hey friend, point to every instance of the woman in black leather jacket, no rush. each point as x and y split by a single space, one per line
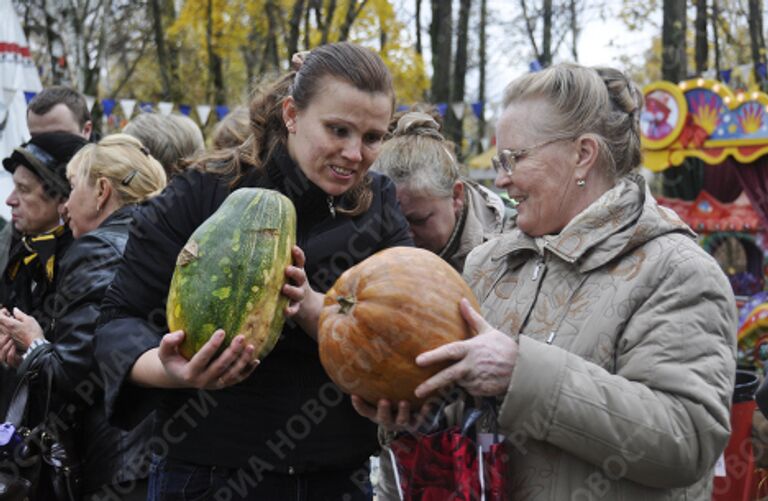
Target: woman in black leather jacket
108 180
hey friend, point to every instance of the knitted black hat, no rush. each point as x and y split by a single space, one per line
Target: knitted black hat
47 156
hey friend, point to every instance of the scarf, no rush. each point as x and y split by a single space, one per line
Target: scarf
37 253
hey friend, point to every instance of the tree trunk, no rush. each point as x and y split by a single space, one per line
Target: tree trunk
530 30
454 124
328 22
307 40
270 58
418 26
440 33
481 85
757 40
716 37
167 58
294 28
216 73
50 36
673 66
546 36
574 30
686 180
353 10
702 45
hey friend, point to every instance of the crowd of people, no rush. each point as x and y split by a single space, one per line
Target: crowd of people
605 338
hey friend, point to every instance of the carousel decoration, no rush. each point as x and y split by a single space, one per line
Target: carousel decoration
705 119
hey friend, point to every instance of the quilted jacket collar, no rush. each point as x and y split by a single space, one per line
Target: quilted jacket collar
610 227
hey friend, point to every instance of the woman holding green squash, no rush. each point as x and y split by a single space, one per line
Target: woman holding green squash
283 430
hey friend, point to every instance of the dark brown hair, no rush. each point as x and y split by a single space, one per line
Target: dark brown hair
356 65
59 94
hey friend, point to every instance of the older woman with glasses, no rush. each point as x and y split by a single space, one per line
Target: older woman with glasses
606 335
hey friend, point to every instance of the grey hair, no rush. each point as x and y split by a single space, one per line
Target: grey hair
598 101
170 138
418 157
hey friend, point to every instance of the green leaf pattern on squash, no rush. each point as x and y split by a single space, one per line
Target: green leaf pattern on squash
234 278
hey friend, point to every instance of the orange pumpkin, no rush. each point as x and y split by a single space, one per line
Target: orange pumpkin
385 311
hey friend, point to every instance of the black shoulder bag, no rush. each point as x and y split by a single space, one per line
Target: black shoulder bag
34 463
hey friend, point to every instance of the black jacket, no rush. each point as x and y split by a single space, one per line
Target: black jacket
286 417
31 292
86 271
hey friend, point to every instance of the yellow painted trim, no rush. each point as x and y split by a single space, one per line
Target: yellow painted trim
682 112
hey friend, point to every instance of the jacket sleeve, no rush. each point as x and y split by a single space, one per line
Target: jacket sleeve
86 269
133 311
663 418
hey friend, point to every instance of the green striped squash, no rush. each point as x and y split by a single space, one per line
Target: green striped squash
230 272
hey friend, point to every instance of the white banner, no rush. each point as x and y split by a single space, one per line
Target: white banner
165 107
89 102
203 110
128 106
458 109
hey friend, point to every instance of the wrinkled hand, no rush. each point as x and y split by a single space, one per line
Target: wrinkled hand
9 355
392 419
204 370
483 365
297 287
21 327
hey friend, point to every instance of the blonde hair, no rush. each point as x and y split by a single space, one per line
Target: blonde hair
418 157
128 166
598 101
171 139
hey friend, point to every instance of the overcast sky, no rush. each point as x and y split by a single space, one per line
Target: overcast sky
602 41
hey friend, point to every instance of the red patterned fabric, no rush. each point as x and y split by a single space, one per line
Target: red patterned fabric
444 466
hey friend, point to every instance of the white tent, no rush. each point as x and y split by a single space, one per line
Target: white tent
17 75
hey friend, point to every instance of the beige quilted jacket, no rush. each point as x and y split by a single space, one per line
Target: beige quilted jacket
630 398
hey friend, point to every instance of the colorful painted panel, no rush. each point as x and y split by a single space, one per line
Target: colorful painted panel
702 119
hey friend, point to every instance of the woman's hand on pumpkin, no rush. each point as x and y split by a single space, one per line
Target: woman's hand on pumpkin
482 365
21 327
205 370
391 419
297 286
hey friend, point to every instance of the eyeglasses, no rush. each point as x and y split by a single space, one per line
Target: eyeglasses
507 160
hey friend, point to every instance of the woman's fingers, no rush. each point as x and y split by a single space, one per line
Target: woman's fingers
218 365
447 352
299 259
474 320
444 378
202 359
240 369
364 408
296 286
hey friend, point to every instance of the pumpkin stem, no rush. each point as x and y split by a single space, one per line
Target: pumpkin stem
346 302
